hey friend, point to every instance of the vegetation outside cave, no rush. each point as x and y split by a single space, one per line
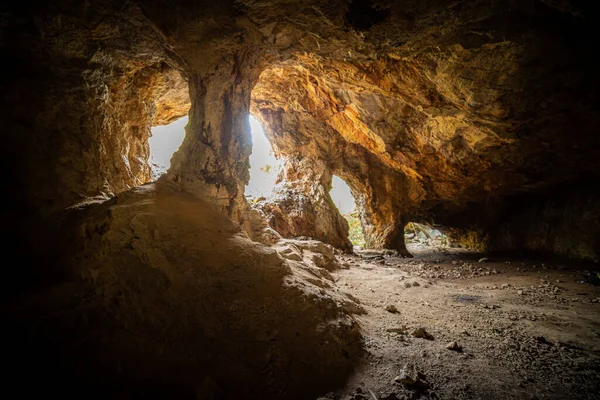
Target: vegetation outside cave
424 235
344 201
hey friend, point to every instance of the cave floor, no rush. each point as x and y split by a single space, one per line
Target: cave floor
527 329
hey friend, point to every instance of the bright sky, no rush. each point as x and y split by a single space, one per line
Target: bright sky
264 167
165 140
341 196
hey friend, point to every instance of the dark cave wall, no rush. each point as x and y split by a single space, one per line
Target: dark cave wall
565 223
562 220
82 89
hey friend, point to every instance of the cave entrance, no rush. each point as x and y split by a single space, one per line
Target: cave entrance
424 236
164 141
346 204
264 166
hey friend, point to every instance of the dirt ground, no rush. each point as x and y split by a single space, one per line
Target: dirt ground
524 328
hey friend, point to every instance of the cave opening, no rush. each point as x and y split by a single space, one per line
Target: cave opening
342 197
264 166
164 141
460 114
423 236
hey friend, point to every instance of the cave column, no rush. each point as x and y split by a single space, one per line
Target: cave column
383 212
212 162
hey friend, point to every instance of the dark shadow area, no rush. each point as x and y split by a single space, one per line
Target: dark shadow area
363 14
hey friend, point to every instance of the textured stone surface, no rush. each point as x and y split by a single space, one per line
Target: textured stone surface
417 105
301 206
83 87
166 294
481 116
451 121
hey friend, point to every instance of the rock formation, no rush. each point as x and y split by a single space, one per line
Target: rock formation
168 294
480 116
421 129
301 206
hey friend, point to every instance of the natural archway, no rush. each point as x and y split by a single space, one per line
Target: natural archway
264 166
164 142
480 116
342 197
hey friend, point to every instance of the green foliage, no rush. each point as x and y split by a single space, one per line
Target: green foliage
355 233
266 169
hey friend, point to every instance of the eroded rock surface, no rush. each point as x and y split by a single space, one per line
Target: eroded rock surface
300 204
444 124
480 116
168 295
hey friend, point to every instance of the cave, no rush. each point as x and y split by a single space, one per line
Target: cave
475 122
264 165
345 202
163 143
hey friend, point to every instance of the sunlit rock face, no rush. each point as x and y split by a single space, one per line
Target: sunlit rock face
300 204
457 117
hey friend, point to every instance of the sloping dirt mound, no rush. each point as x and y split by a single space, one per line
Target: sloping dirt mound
170 299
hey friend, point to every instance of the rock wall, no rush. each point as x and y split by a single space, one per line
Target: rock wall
300 204
559 220
165 296
83 88
452 111
457 115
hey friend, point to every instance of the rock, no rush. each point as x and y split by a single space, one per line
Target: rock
422 333
483 259
453 346
409 375
391 308
520 292
401 331
406 285
416 284
504 286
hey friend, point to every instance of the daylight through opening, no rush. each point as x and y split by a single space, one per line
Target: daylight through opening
164 141
264 166
422 235
344 201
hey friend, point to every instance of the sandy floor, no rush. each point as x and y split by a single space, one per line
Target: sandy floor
525 329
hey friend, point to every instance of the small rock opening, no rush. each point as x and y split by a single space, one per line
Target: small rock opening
424 236
164 141
264 165
342 197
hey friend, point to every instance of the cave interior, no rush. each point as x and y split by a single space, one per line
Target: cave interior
472 125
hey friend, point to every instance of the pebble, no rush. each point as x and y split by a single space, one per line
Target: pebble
422 333
453 346
408 375
391 308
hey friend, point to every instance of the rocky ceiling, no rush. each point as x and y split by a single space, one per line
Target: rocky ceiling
429 110
480 116
439 113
